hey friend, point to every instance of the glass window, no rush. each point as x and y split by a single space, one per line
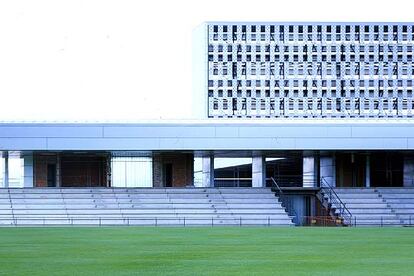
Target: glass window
131 171
232 172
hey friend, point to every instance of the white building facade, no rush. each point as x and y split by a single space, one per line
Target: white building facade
307 70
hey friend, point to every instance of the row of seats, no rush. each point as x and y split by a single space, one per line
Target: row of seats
141 206
378 206
401 201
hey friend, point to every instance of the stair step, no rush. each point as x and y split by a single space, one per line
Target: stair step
90 206
374 206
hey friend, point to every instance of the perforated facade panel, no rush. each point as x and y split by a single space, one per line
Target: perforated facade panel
310 70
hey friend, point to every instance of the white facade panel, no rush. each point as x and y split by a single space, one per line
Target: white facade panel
223 135
131 172
309 70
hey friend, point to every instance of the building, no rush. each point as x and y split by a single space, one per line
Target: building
302 70
320 112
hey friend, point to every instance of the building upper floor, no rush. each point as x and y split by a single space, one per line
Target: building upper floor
304 70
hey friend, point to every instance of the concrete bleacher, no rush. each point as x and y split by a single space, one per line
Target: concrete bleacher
379 206
401 201
141 206
367 207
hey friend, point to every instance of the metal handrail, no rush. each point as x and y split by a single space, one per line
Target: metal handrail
148 221
284 199
275 184
334 199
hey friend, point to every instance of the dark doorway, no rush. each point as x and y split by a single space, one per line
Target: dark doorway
51 175
387 169
350 170
168 175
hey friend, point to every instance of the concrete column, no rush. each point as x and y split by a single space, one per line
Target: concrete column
328 170
309 172
109 171
208 171
368 171
58 175
6 169
28 170
258 171
157 173
408 171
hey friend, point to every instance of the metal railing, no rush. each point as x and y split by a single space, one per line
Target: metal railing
287 180
335 202
149 221
233 182
285 200
322 221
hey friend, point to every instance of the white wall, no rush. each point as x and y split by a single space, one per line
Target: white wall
131 171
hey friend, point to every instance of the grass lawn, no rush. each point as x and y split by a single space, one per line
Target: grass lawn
206 251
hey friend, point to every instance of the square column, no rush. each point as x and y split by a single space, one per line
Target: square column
208 171
368 171
58 174
28 170
258 171
408 171
328 169
6 170
309 172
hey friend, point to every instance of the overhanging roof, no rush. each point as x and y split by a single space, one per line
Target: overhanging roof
280 134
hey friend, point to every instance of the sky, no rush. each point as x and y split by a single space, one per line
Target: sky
129 60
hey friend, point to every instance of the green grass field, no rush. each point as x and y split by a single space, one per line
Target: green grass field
206 251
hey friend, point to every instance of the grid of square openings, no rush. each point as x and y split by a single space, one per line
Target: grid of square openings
307 71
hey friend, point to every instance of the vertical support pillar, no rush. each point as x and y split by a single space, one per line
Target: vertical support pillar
6 169
208 171
368 171
189 170
28 170
408 171
58 175
258 172
157 173
309 172
328 169
109 171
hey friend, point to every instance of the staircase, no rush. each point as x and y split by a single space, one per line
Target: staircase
368 207
141 206
401 201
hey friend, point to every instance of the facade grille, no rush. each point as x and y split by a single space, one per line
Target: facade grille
310 70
